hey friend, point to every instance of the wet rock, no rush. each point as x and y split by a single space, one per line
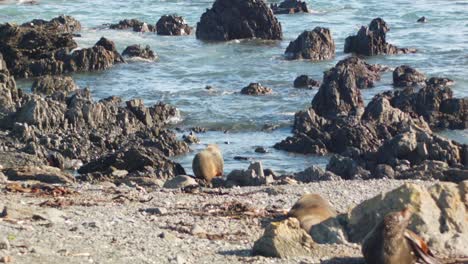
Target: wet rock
261 150
138 51
134 24
290 7
48 85
191 138
439 213
422 19
180 181
315 174
371 41
314 45
439 82
339 93
61 24
45 174
238 19
304 81
406 76
253 176
172 25
301 143
284 239
136 159
256 89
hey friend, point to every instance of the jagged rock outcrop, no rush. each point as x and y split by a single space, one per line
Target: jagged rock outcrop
9 94
61 24
238 19
339 93
140 52
172 25
404 76
371 41
48 85
314 45
290 7
256 89
31 50
134 24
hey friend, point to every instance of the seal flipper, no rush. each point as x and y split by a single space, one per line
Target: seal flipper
420 248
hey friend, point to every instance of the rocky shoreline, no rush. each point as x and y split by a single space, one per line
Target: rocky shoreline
68 157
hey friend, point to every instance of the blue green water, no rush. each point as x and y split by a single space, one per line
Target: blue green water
187 65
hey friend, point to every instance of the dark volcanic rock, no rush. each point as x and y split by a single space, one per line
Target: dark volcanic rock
238 19
315 45
304 81
41 50
61 24
138 51
422 20
136 159
134 24
9 95
290 7
346 168
256 89
404 76
339 93
371 41
172 25
48 85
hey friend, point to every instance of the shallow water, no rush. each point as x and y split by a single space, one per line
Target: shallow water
187 66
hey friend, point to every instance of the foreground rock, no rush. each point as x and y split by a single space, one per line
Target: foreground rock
256 89
439 215
238 19
134 24
372 41
35 50
314 45
284 239
134 51
171 25
290 7
44 174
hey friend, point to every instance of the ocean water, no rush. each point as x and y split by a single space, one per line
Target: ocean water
187 65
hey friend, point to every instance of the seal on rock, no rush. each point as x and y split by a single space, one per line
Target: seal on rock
390 242
208 163
310 210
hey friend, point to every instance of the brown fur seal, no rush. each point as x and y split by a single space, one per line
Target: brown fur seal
208 163
391 243
310 210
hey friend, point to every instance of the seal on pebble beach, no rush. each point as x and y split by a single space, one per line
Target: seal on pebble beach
390 242
208 163
310 210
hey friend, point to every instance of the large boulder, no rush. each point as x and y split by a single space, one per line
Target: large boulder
314 45
133 51
31 50
284 239
238 19
304 81
134 24
406 76
290 7
339 93
172 25
371 41
44 173
440 215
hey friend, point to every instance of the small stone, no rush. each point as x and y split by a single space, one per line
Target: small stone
4 244
197 229
91 224
261 150
180 181
155 211
6 259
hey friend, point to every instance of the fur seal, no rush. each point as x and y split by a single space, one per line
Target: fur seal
390 242
310 210
208 163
